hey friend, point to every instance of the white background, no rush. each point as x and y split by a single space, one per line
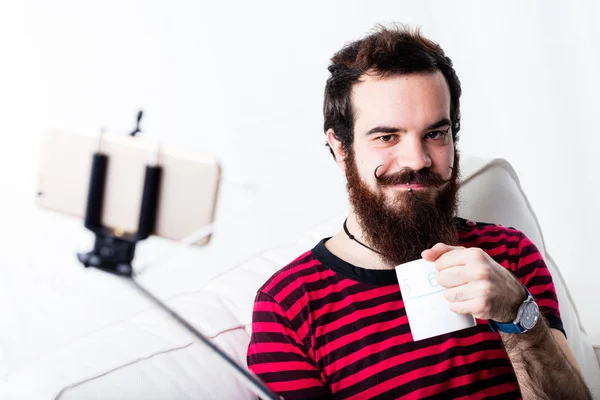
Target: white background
244 81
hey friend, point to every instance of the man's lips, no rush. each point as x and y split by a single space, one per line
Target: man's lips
413 186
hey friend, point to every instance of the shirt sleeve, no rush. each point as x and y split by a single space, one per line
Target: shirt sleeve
535 275
277 355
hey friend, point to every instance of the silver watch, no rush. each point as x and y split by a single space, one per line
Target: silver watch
527 316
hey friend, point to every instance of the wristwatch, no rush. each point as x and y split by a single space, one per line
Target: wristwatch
527 316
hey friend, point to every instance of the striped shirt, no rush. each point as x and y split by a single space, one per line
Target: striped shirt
323 328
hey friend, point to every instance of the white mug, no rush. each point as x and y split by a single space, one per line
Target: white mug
426 308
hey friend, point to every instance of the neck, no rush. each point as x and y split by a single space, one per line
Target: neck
351 251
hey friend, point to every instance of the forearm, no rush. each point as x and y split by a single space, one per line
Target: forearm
542 370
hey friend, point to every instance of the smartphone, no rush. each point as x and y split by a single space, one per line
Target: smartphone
188 188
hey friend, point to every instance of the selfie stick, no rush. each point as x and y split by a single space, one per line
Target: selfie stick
114 251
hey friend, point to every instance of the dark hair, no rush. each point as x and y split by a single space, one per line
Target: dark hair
386 51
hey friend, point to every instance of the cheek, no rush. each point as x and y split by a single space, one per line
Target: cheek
365 170
443 160
450 162
368 161
383 161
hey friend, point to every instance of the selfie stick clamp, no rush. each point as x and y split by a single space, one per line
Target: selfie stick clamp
114 249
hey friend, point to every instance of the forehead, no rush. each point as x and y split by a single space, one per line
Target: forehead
411 101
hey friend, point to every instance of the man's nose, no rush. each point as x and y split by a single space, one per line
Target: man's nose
413 155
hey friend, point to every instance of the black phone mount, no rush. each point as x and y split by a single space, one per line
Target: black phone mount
114 249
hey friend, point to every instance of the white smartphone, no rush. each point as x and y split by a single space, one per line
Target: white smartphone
188 187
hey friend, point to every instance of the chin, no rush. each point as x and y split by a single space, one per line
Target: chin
398 201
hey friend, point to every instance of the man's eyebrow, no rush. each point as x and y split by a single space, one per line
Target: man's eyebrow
392 129
384 129
439 124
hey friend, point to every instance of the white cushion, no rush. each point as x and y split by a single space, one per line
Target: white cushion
491 192
149 357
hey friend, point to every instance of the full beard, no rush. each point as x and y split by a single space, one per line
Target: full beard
399 229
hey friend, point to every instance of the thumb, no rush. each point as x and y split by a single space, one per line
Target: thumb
436 251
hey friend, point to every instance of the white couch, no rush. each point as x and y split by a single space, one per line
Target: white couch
147 356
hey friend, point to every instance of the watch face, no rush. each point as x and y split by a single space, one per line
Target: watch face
529 316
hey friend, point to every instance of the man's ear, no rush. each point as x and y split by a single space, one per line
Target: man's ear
336 147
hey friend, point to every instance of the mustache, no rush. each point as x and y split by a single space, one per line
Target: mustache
423 177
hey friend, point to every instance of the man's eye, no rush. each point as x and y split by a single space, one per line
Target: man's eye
386 138
435 135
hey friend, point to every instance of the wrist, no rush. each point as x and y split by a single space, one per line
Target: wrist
509 313
527 316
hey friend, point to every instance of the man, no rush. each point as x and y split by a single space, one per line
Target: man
332 323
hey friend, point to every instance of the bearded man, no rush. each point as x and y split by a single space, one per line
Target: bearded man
332 323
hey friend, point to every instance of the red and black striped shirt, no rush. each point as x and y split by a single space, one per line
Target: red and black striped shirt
323 328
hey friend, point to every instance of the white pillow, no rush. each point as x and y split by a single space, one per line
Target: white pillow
491 192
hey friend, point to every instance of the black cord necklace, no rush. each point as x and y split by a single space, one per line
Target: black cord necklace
351 237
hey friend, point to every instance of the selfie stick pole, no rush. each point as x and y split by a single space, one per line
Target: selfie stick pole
114 250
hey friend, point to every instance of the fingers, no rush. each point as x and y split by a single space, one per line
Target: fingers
469 291
460 256
472 298
456 276
436 251
462 307
477 307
